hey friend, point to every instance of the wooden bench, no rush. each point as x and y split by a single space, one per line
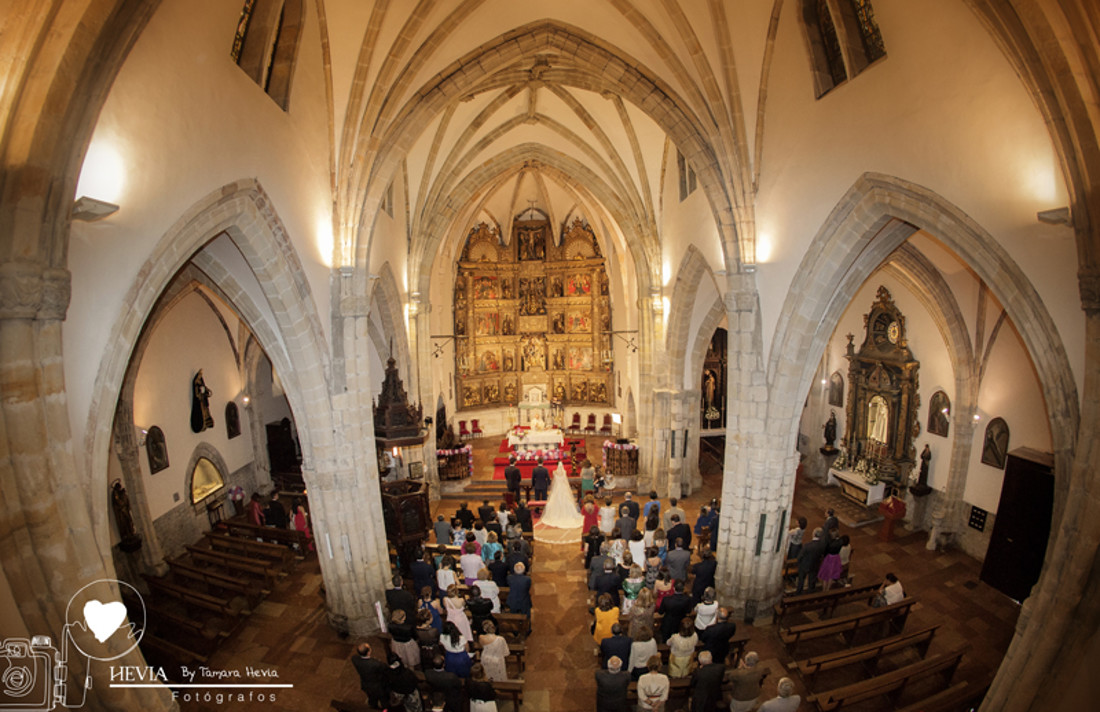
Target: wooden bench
868 654
235 563
515 627
275 554
824 601
168 654
512 689
199 637
848 626
961 695
891 684
217 581
230 608
287 537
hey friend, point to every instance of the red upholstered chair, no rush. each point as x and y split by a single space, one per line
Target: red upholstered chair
575 426
475 429
462 431
591 427
606 428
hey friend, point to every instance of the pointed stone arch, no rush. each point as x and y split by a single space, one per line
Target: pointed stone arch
386 297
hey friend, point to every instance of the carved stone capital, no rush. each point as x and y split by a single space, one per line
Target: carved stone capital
30 291
1089 281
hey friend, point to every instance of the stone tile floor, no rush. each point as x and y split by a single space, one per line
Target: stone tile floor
288 634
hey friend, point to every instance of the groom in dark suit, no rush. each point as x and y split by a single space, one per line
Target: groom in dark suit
540 481
512 477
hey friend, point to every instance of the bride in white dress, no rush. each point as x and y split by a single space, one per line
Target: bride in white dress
561 509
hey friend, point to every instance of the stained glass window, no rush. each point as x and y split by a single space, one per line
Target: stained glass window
868 29
829 38
242 29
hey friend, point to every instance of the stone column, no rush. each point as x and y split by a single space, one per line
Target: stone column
47 547
759 473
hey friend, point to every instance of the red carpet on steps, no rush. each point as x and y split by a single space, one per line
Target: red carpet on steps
525 466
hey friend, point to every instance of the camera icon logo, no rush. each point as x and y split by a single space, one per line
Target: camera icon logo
34 675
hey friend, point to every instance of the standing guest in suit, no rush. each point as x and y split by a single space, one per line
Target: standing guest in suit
611 687
706 684
512 477
746 681
680 530
786 701
372 677
540 481
677 560
831 523
422 572
487 512
443 533
275 515
704 573
446 683
609 582
595 568
674 609
809 560
716 637
523 518
398 598
465 516
629 503
673 509
625 523
616 645
498 569
519 590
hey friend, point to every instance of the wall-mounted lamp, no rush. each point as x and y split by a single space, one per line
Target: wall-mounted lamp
1055 216
89 209
245 399
977 417
142 433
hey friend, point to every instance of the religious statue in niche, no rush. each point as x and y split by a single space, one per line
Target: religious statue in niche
509 361
921 488
559 392
507 327
599 392
232 420
200 404
130 540
555 286
604 286
156 449
995 448
532 296
830 434
532 244
506 288
836 390
559 323
605 321
510 392
534 354
460 326
559 359
460 288
580 391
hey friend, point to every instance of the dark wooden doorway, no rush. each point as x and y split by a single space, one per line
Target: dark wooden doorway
1018 543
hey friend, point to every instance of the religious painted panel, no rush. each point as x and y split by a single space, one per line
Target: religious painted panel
578 323
490 392
559 393
579 390
578 285
939 409
580 358
487 324
995 447
511 390
486 287
488 361
597 391
836 390
471 395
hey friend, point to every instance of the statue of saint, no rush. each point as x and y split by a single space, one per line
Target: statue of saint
200 404
922 488
830 433
130 540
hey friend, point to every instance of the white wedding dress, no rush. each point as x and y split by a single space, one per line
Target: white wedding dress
561 509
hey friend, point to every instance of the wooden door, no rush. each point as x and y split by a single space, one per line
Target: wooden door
1019 539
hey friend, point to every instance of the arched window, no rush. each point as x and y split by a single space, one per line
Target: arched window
206 479
266 44
843 40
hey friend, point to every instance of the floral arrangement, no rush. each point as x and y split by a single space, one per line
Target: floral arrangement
236 493
615 446
457 451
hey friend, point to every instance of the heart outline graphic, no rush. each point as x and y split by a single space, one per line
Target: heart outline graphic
104 618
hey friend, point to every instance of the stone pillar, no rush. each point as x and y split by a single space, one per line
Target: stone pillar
151 554
759 473
47 547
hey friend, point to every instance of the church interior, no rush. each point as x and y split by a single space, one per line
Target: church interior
782 256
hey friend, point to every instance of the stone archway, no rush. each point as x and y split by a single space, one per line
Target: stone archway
872 220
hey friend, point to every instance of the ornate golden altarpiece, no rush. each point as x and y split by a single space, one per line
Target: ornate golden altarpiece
532 313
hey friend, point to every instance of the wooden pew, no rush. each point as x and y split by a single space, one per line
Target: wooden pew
217 581
229 607
961 695
286 537
891 684
235 563
200 637
824 601
167 654
512 689
895 615
275 554
868 654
